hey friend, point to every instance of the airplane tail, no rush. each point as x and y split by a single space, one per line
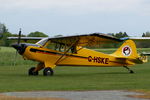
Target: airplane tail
127 49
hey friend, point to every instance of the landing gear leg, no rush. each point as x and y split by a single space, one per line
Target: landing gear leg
130 71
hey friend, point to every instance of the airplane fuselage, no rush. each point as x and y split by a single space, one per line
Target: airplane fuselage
84 57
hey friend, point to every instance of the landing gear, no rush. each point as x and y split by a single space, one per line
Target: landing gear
130 71
48 71
32 72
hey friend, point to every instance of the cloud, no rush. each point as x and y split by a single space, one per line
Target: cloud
83 6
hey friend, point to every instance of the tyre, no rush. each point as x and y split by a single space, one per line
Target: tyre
48 72
31 72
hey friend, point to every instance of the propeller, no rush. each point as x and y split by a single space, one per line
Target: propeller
18 42
19 36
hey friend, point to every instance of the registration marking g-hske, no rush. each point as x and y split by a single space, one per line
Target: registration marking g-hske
98 60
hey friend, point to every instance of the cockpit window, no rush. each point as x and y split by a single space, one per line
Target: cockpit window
61 47
42 42
56 46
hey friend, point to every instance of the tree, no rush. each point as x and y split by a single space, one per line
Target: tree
147 34
37 34
5 41
125 34
111 34
3 30
144 44
143 35
121 35
3 35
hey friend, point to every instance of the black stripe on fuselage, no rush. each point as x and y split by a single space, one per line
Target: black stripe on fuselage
50 52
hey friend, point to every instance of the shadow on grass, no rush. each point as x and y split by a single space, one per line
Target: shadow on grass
74 74
89 74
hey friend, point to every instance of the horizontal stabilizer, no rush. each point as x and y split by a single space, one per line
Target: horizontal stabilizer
146 53
136 38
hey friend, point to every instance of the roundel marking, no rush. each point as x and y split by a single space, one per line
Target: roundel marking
126 50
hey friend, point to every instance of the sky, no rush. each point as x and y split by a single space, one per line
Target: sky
73 17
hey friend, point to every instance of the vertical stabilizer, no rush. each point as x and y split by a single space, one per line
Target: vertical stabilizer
127 49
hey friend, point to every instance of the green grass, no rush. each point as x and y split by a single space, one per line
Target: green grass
8 57
15 78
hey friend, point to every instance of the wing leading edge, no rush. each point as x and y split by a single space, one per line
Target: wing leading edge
87 39
25 38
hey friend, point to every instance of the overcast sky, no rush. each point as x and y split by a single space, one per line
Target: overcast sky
69 17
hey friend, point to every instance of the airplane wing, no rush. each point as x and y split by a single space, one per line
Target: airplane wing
79 40
87 39
25 38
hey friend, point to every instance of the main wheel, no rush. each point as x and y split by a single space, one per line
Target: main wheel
31 71
48 72
131 71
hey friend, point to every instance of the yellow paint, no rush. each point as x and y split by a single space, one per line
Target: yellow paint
126 55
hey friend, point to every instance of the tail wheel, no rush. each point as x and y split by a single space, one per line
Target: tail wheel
48 72
32 72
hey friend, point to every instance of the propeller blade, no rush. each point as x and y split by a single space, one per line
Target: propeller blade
19 36
18 42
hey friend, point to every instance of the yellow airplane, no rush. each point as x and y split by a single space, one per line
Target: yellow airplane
70 51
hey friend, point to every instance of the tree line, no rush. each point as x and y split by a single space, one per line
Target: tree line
4 33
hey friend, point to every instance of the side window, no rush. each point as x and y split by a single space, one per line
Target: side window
71 50
51 46
61 47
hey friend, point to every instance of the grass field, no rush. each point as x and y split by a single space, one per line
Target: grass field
15 78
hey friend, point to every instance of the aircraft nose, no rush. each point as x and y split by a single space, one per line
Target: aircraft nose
19 47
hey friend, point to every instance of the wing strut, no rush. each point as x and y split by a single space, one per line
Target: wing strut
66 51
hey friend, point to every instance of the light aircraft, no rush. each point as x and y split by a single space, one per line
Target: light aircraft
70 51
